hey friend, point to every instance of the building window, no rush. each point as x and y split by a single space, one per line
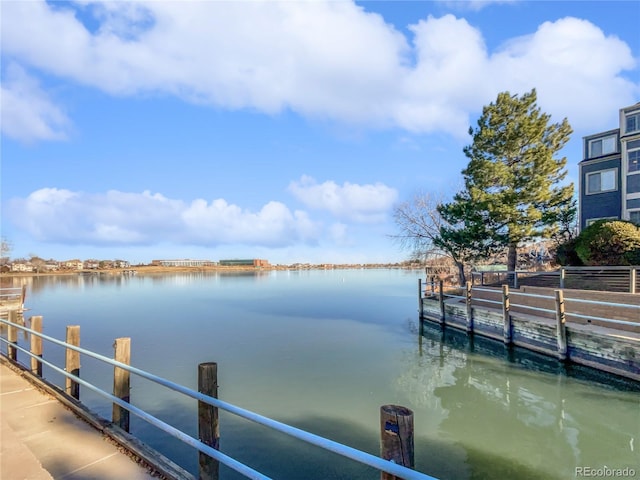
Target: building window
602 146
602 181
634 216
632 122
633 156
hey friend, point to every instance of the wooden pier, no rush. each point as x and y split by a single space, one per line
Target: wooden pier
596 329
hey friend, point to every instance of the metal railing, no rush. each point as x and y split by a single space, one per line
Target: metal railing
12 293
566 299
321 442
438 290
605 278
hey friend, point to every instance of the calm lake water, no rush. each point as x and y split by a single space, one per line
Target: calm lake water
323 350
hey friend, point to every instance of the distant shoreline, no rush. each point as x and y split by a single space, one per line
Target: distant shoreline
156 269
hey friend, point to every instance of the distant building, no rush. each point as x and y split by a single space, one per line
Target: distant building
73 264
610 172
22 266
91 264
254 262
183 263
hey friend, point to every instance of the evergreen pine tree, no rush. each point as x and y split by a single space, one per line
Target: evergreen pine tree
512 192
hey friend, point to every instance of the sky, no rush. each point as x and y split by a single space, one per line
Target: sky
279 130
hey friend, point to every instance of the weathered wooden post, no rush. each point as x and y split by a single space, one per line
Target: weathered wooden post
23 295
469 309
441 299
121 382
12 336
561 332
396 437
515 279
506 316
208 428
562 276
420 304
482 279
633 279
72 361
36 345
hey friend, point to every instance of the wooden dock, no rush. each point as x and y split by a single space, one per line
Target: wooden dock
603 334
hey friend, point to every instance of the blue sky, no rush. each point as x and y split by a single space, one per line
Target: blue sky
278 130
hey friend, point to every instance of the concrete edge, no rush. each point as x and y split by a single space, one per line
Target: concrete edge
138 450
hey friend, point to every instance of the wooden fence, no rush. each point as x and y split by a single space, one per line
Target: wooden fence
598 329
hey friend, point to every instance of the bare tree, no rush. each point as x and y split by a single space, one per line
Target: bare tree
5 247
420 225
37 262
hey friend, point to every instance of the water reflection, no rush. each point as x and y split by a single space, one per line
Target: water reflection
508 402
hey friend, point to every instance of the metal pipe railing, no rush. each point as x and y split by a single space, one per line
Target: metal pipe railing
324 443
156 422
548 297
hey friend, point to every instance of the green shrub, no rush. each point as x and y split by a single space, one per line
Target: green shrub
609 242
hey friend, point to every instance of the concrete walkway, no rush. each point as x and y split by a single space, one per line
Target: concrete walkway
40 439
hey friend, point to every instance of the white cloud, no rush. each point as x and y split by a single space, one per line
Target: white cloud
27 112
575 68
121 218
329 60
360 203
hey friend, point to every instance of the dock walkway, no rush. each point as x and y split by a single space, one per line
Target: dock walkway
40 439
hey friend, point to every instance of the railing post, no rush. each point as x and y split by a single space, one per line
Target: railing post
72 361
36 345
420 304
396 437
121 382
469 309
208 428
561 332
506 316
12 336
633 279
482 279
441 299
515 279
562 274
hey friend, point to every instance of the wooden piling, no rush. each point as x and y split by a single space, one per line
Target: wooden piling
121 382
561 332
633 272
441 299
396 437
72 361
12 336
420 303
208 427
36 345
469 309
506 316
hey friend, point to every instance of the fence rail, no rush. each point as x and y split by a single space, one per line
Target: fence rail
551 321
359 456
612 279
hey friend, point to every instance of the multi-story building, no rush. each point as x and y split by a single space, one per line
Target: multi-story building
610 172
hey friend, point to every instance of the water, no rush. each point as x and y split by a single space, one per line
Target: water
323 350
